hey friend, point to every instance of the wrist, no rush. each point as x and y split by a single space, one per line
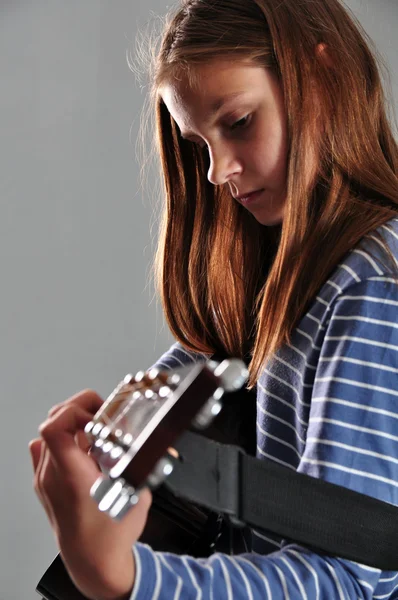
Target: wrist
124 583
117 583
113 581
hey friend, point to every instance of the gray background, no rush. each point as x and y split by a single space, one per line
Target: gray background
77 305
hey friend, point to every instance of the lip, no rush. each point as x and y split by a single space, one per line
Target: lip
249 197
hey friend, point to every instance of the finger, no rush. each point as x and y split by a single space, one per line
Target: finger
59 433
54 409
87 399
41 471
40 466
35 452
68 480
69 419
146 498
82 441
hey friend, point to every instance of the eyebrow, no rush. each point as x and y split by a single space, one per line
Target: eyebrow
218 104
215 108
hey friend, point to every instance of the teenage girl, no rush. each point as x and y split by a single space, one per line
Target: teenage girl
279 242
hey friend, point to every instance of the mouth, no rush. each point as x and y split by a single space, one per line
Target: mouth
248 197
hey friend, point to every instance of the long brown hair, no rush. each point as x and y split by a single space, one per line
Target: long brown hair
228 283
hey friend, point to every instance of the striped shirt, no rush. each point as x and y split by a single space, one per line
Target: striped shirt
327 406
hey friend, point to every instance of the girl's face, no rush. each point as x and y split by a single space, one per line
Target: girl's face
236 111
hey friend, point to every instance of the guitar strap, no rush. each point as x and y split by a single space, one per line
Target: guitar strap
329 518
265 495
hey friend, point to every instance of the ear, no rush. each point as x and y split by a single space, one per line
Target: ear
323 54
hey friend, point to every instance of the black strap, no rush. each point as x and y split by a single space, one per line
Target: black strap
265 495
56 583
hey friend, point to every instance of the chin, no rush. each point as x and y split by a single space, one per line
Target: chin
269 220
271 213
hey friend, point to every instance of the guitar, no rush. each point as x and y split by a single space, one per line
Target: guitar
133 438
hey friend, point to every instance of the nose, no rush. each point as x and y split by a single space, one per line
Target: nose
224 164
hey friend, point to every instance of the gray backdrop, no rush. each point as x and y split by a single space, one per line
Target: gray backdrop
75 241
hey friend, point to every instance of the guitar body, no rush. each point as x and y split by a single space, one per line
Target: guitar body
174 524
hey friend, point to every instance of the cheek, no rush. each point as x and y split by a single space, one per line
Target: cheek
269 154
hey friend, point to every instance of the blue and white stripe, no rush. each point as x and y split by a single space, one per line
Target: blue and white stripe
327 405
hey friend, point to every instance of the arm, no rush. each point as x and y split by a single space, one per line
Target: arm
294 572
177 356
354 396
64 475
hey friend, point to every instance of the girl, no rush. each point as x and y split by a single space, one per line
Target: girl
279 243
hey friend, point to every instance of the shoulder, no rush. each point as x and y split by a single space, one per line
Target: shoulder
367 265
178 356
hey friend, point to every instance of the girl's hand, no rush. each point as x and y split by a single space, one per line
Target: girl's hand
96 550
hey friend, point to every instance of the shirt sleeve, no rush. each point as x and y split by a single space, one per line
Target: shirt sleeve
351 441
178 356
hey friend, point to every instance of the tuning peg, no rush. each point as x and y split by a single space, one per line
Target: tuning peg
162 469
92 430
233 374
153 373
209 411
114 496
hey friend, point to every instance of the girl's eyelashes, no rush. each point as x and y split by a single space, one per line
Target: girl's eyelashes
240 123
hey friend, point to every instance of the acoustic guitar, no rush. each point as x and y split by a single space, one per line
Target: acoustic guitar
133 438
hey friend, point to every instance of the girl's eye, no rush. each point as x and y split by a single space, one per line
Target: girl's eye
240 123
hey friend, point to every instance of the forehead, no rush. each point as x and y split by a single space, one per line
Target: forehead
213 85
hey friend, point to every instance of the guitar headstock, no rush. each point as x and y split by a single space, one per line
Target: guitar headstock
133 433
